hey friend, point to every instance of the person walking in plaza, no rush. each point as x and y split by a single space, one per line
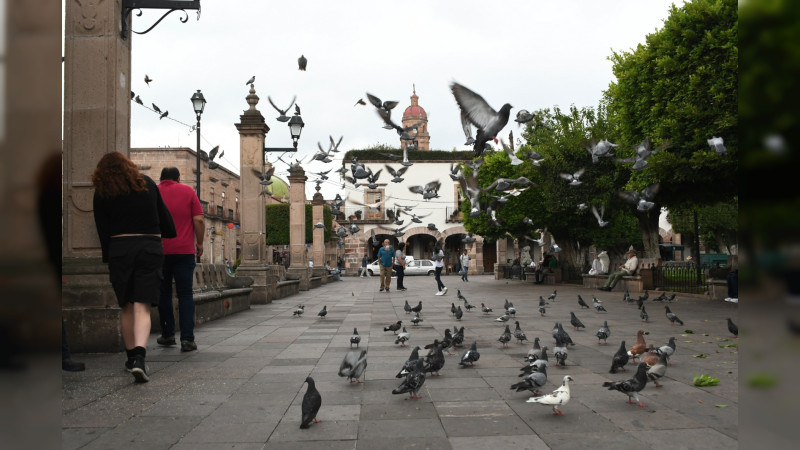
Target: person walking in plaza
464 259
179 258
131 219
625 270
363 271
386 260
438 263
400 265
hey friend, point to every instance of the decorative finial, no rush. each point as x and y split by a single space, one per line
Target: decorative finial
415 88
252 98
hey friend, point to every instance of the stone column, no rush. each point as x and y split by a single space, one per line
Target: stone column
502 256
319 233
252 130
297 227
97 87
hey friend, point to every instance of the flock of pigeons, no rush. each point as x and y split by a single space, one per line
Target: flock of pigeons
652 361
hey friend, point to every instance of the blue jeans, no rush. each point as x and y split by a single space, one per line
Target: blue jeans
336 272
439 284
465 270
181 268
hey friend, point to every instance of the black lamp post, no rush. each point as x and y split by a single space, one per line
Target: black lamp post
296 125
198 103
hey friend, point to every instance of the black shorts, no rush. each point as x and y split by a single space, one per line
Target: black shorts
134 266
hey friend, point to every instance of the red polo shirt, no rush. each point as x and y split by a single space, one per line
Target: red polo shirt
183 204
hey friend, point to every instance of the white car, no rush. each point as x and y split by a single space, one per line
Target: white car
413 267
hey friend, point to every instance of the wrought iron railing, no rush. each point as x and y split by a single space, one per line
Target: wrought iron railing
679 277
453 215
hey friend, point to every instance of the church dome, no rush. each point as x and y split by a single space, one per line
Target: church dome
415 111
278 188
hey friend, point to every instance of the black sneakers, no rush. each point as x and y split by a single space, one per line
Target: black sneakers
139 369
166 341
188 346
129 364
72 366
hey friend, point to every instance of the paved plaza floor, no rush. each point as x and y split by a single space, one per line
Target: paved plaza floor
244 385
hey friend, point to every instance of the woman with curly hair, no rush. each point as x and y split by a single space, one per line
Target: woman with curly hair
131 219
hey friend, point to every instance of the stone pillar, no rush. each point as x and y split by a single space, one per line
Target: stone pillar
97 87
252 130
319 233
297 227
502 256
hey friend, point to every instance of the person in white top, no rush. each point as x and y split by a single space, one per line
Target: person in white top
624 270
600 264
438 262
464 259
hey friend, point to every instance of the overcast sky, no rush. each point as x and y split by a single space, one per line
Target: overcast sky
531 54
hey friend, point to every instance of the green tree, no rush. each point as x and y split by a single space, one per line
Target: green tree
717 224
679 89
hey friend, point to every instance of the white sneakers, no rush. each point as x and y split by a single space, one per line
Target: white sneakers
445 290
732 300
440 293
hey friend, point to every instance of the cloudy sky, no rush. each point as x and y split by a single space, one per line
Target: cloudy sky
531 54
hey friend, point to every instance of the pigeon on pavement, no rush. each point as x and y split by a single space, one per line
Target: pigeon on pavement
312 400
532 381
518 334
657 371
408 366
355 338
353 365
560 352
644 315
576 323
434 361
671 316
534 352
559 397
733 328
603 333
582 303
402 337
505 337
620 359
416 319
323 312
631 387
471 356
394 327
412 382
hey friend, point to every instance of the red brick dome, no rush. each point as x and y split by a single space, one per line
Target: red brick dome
415 111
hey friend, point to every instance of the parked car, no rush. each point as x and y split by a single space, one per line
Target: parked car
413 267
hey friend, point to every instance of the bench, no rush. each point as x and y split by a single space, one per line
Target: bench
550 276
641 279
216 294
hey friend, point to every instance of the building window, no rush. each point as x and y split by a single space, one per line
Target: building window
237 207
211 201
374 204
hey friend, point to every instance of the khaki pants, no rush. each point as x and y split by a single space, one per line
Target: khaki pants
386 277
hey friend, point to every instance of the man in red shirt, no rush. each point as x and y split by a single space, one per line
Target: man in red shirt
179 258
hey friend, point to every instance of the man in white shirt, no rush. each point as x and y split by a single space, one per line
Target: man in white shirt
438 262
464 265
624 270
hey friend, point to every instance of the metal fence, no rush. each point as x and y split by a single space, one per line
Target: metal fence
679 277
572 275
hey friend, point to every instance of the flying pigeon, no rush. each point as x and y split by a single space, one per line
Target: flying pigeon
642 200
488 122
323 312
429 191
467 127
643 151
733 328
574 179
471 356
599 215
603 333
311 403
716 144
632 386
510 152
394 327
559 397
353 365
402 337
523 116
601 149
386 106
620 359
360 102
410 363
147 79
396 174
301 63
412 382
355 338
582 303
576 323
518 334
672 317
283 117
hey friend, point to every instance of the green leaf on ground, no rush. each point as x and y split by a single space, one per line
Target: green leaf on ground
688 331
721 406
762 380
701 355
729 346
705 380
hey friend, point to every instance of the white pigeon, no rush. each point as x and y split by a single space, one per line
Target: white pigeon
510 152
717 145
574 179
599 215
559 397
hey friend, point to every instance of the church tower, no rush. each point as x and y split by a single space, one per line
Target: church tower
413 115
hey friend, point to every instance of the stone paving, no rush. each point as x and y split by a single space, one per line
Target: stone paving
243 387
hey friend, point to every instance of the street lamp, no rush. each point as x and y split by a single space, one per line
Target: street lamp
295 128
198 103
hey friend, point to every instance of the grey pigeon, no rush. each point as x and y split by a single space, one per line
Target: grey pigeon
459 313
518 334
553 295
573 178
560 352
632 386
582 303
251 80
458 337
598 307
323 312
523 116
147 79
642 200
576 323
416 319
283 117
394 327
644 315
619 359
533 380
733 328
503 318
412 382
643 151
658 370
467 127
505 337
599 215
668 349
534 352
402 337
603 333
672 317
355 338
299 311
397 175
510 152
488 122
601 149
407 307
139 100
302 62
353 365
434 361
429 191
165 114
471 356
312 400
156 108
417 308
386 106
410 363
485 309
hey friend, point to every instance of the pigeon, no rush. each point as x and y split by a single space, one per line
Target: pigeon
620 359
412 382
632 386
598 306
417 308
394 327
627 296
574 178
139 100
601 149
360 102
407 307
164 114
458 337
156 108
640 302
733 328
466 126
471 356
505 337
323 312
715 143
355 338
603 333
523 116
518 334
319 225
396 174
434 361
672 317
416 319
488 122
542 301
657 371
302 62
582 303
503 318
668 349
644 315
507 304
642 200
147 79
402 337
453 308
447 341
485 309
429 191
353 365
385 106
251 80
532 381
510 152
283 117
553 295
599 215
459 313
646 295
643 151
311 403
576 323
511 311
563 335
542 310
559 397
560 352
670 298
299 311
640 346
411 362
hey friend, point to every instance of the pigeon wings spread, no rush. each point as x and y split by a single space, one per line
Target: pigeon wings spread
353 365
488 121
559 397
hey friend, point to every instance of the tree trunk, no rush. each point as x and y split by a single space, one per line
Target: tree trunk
573 255
648 224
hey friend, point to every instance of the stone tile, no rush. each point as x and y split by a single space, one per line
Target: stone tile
217 446
699 438
397 428
211 431
529 441
427 443
313 445
474 409
186 405
141 432
467 394
398 410
485 426
327 430
617 440
650 419
73 438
